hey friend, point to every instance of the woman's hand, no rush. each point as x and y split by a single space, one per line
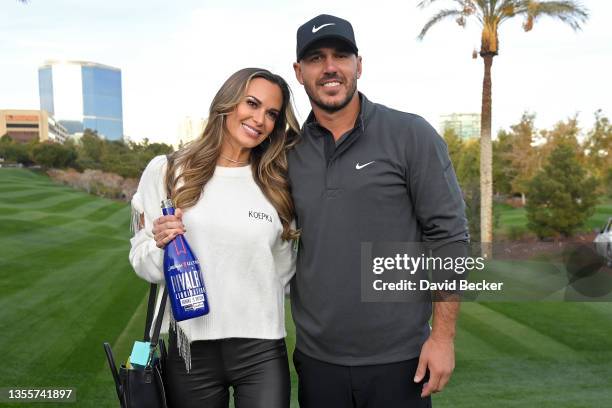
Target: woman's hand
167 227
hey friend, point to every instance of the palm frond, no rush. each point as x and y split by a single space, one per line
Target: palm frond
427 3
479 9
571 13
487 9
441 15
506 8
482 4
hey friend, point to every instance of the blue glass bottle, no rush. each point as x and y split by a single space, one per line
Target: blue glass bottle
184 279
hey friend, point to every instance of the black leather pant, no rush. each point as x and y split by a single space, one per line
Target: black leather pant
257 369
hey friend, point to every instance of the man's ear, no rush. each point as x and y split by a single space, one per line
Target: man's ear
298 72
358 66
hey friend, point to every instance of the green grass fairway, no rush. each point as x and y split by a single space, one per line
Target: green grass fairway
516 218
66 286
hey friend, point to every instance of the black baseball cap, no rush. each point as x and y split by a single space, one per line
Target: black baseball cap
324 26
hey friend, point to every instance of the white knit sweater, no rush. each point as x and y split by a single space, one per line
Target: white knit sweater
235 233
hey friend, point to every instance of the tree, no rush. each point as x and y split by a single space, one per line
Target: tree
15 152
469 179
464 157
490 14
454 145
561 196
598 148
523 157
90 150
53 155
469 163
607 178
503 172
563 132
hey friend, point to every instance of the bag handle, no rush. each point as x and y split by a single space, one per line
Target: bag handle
113 368
153 291
160 317
158 324
150 311
151 307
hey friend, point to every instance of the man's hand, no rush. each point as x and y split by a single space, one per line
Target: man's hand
437 355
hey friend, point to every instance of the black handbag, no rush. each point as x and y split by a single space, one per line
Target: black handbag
143 387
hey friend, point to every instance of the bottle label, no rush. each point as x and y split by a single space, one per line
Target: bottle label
187 285
193 302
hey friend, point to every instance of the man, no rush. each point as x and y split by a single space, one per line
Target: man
365 173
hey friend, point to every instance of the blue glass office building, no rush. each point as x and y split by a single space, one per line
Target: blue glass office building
83 95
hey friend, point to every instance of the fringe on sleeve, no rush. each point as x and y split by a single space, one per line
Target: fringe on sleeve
136 223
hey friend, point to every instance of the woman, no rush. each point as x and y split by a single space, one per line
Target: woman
230 189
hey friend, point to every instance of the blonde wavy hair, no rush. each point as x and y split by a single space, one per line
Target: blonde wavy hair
193 166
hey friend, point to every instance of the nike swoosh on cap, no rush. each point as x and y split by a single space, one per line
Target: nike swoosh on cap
315 29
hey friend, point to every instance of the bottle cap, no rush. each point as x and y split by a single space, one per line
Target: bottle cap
167 203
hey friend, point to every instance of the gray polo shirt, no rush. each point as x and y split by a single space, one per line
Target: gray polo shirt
387 179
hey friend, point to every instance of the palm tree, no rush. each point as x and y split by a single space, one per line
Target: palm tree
490 14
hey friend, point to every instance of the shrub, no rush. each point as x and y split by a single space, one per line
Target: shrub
560 196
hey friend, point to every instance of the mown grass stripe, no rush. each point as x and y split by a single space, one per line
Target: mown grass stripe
503 344
5 211
17 187
515 335
39 199
28 242
70 205
473 345
20 174
107 230
105 212
32 197
54 297
518 381
53 258
523 280
573 315
12 188
121 218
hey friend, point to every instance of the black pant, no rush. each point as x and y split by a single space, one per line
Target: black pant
257 369
325 385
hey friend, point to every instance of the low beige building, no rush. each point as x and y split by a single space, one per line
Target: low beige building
465 125
24 125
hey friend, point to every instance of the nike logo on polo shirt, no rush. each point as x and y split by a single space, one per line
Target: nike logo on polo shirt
315 28
361 166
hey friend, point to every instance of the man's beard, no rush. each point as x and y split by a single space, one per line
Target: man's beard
333 107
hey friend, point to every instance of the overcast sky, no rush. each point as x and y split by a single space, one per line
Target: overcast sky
174 55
